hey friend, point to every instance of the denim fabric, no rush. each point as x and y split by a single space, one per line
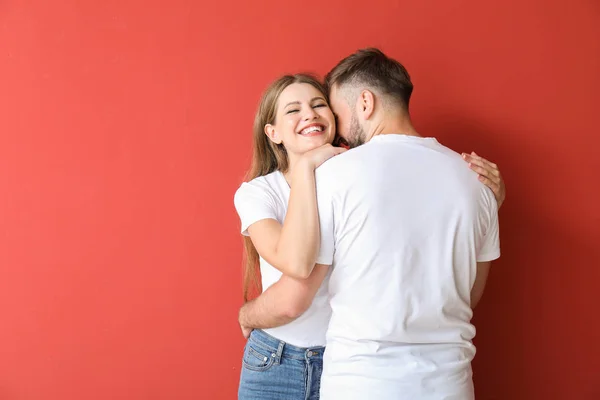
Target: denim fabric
275 370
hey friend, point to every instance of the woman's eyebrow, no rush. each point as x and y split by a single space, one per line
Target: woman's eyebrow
292 103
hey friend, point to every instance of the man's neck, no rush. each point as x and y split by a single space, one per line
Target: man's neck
388 126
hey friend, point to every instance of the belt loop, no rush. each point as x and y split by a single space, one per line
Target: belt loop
279 352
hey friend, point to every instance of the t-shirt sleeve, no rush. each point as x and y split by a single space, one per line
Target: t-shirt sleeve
326 217
253 204
490 248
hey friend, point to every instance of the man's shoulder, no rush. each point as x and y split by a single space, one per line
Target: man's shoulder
349 159
333 171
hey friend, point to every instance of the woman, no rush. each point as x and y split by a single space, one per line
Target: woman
293 131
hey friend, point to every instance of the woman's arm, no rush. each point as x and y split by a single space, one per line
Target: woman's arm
293 247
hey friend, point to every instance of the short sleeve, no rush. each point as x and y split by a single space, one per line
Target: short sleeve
326 217
253 203
490 248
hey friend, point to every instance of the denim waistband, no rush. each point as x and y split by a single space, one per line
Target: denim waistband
279 348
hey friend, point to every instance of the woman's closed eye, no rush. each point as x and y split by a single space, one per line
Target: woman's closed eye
295 110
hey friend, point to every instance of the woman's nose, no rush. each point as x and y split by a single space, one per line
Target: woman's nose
311 114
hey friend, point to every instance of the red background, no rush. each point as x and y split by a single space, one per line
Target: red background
125 129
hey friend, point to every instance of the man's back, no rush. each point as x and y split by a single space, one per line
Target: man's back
404 222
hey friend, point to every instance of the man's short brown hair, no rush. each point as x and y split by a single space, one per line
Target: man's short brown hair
370 68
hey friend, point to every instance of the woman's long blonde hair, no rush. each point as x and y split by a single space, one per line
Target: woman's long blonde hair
268 157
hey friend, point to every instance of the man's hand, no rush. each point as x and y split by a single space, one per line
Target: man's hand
282 302
246 331
489 175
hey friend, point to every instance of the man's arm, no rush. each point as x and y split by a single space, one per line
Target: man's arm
489 251
483 270
282 302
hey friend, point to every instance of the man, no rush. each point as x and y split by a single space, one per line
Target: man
410 234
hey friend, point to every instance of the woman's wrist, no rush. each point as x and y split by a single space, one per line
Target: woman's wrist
306 164
303 170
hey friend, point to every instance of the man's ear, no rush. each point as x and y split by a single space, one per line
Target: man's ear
366 104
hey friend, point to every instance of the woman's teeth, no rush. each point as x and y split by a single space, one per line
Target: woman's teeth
311 129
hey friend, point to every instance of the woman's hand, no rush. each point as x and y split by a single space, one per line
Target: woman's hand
318 156
489 175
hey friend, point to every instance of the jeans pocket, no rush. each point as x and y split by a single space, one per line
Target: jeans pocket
256 358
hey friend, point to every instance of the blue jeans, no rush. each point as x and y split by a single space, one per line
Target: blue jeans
275 370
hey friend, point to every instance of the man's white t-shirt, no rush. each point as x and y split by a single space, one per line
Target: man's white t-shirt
403 222
267 197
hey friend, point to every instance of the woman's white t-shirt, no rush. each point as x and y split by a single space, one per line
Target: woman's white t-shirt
266 197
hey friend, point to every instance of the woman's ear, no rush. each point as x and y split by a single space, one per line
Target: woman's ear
271 132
